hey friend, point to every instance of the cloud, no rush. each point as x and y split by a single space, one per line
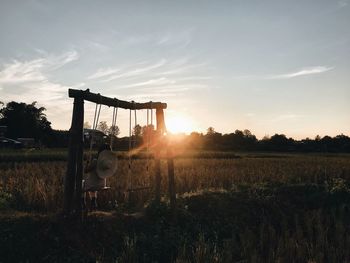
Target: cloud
181 39
55 62
19 72
295 74
101 73
181 69
109 74
151 82
30 81
151 96
137 71
342 4
34 70
162 78
301 72
175 88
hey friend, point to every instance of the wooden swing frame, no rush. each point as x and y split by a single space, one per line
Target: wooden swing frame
72 204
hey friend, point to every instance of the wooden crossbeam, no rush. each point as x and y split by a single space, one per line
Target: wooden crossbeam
113 102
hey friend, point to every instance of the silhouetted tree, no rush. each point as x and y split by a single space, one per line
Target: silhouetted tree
213 138
210 131
137 131
114 131
25 120
103 127
279 142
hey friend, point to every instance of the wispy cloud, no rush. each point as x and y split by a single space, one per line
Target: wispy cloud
110 74
18 72
34 70
180 39
181 69
298 73
151 82
151 96
301 72
55 62
342 3
162 78
174 88
101 73
30 78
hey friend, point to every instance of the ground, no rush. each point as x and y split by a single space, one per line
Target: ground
269 208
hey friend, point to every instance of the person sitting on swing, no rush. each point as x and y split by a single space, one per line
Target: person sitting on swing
92 182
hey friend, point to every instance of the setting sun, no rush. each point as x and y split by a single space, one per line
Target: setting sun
179 124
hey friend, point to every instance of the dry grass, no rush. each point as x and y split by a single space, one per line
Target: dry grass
302 216
39 185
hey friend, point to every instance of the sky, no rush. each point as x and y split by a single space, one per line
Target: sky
267 66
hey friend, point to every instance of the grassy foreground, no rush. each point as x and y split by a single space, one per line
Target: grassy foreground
266 223
270 208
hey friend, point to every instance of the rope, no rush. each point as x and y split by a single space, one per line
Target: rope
114 122
94 127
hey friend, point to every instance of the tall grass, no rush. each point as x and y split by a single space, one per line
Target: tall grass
39 185
293 208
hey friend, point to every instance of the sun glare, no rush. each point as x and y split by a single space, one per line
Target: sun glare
179 124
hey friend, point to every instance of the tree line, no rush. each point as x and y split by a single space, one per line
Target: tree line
246 141
30 121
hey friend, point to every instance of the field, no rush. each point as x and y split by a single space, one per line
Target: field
231 207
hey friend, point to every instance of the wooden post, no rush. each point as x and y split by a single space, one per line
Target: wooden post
69 182
79 157
160 131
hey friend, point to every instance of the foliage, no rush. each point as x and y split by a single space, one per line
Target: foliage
246 141
25 121
137 131
103 127
113 131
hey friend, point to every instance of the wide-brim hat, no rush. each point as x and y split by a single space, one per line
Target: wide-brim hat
106 164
